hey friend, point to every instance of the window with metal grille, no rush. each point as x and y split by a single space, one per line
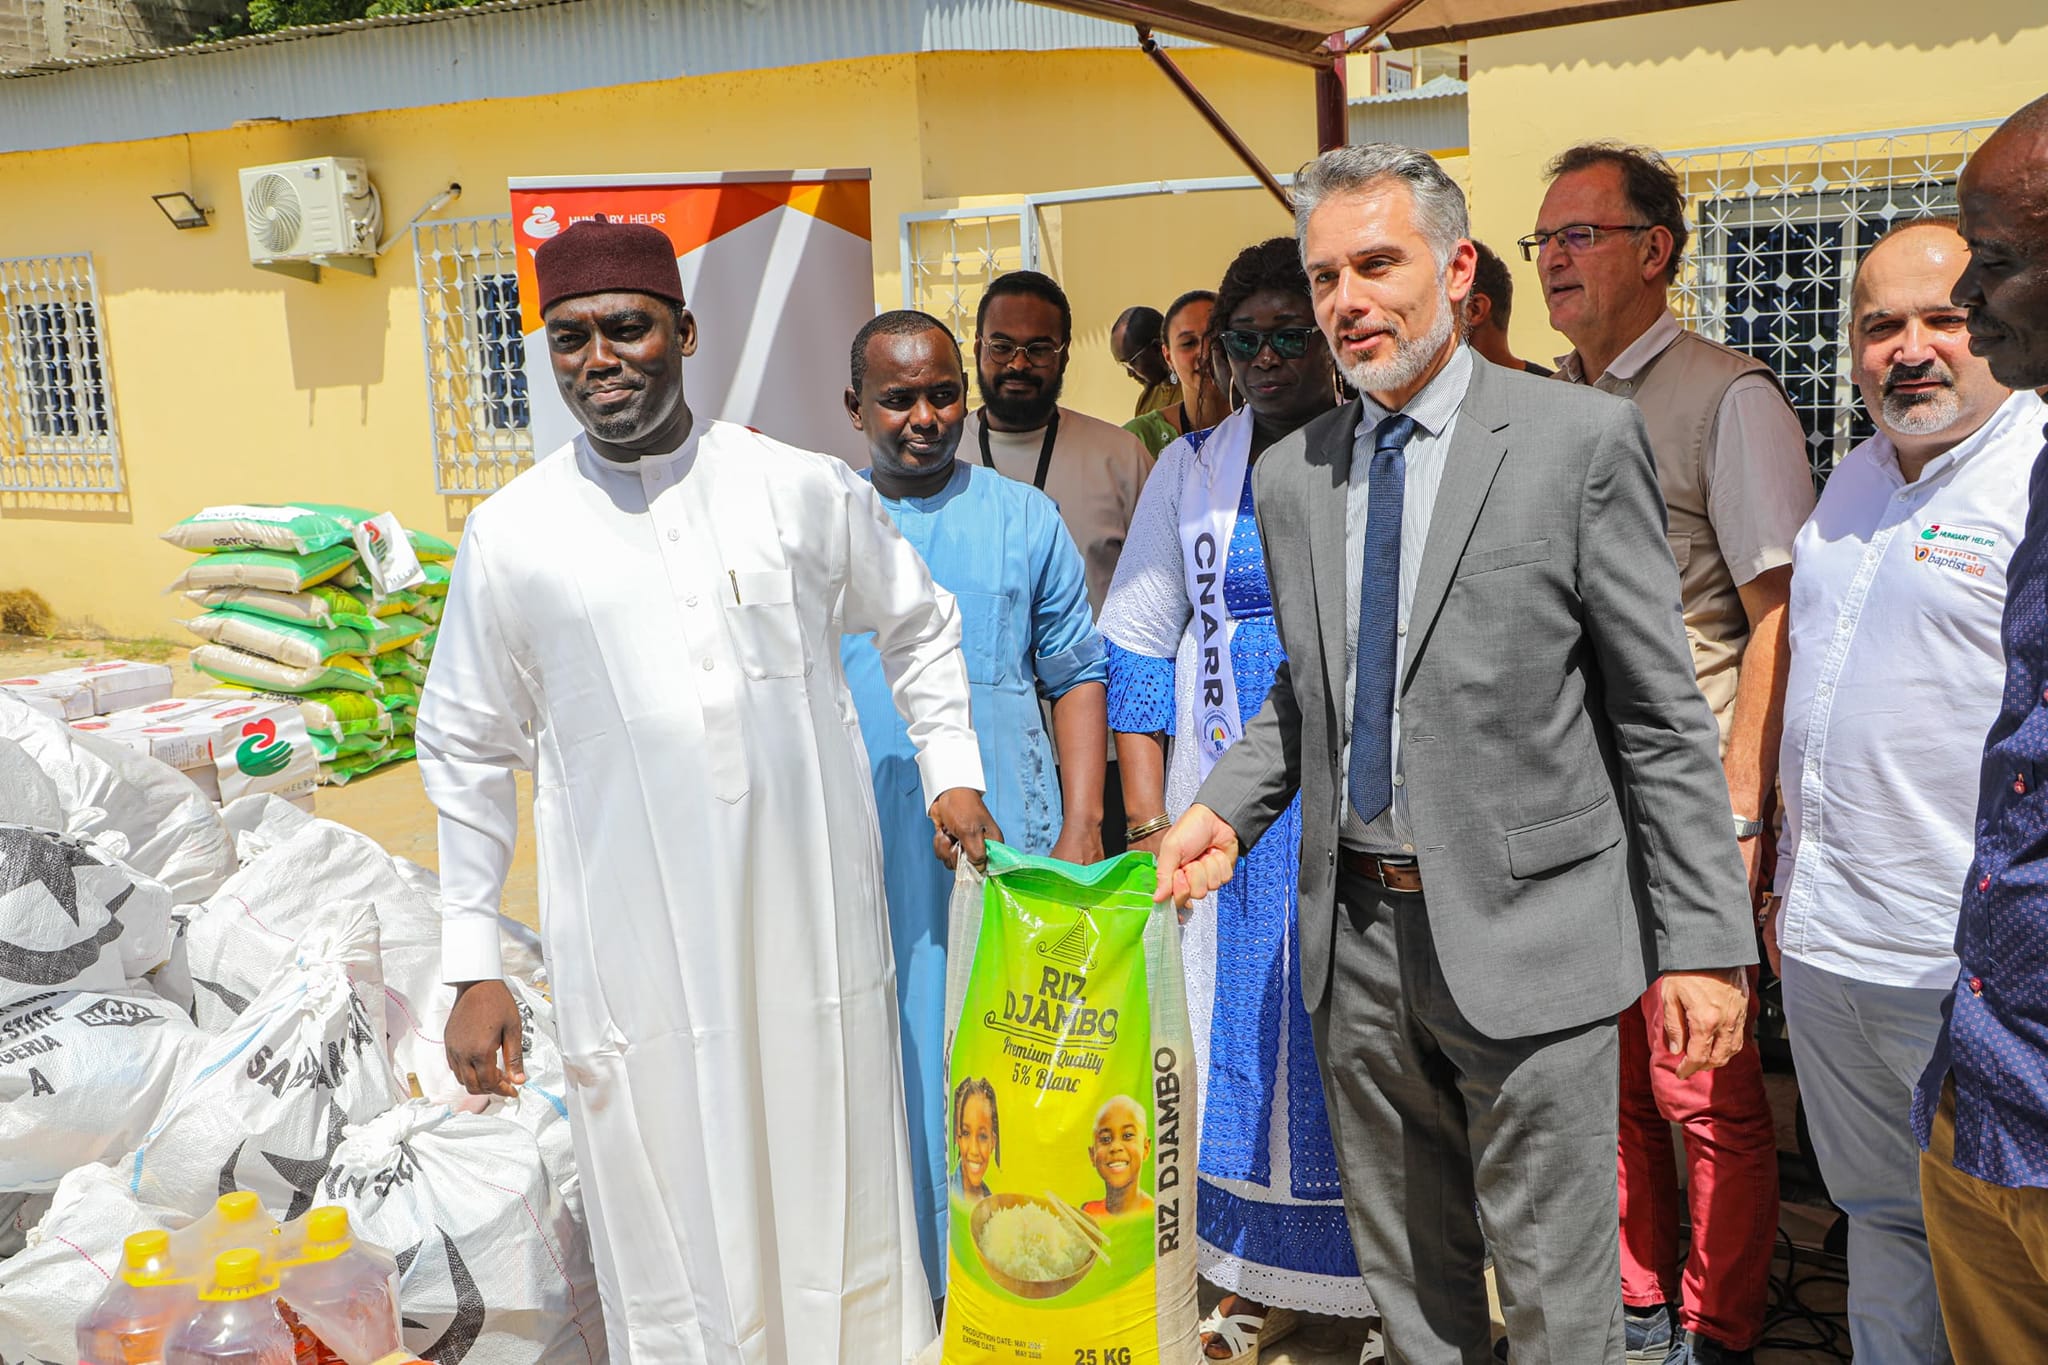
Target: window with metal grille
951 256
57 430
1778 230
472 335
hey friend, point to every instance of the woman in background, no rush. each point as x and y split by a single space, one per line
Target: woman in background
1203 404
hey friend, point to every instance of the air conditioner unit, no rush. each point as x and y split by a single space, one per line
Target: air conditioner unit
315 210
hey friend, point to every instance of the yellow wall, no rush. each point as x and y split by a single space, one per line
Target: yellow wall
1745 71
230 384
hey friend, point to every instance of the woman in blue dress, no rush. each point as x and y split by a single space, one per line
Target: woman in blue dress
1269 1212
1000 548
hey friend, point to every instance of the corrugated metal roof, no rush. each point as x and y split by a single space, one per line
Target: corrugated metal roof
498 49
1442 88
283 35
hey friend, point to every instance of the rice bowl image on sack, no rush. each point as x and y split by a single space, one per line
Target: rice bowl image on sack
1071 1230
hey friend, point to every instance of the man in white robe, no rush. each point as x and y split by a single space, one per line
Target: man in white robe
649 621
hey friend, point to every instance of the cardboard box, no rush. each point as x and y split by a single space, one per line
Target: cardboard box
230 748
99 689
118 684
61 694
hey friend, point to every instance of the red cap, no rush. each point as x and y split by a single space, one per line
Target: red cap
598 256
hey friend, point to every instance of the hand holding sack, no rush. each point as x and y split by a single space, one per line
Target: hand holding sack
1071 1069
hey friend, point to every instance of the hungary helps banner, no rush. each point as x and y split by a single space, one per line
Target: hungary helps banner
778 269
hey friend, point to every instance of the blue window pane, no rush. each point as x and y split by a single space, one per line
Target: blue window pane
62 378
502 345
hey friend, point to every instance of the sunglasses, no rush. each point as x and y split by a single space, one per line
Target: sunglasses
1289 343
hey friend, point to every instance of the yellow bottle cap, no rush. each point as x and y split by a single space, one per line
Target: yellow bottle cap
238 1206
143 1247
146 1259
327 1234
238 1274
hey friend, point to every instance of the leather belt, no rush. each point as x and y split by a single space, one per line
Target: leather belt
1402 876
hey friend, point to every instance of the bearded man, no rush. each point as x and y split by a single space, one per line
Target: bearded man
1487 707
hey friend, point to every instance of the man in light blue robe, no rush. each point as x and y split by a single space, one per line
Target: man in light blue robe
1000 548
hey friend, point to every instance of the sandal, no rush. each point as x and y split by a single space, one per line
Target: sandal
1244 1333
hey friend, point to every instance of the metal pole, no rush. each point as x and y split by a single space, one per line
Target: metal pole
1333 110
1208 112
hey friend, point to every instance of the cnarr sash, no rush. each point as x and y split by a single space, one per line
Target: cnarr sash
1208 515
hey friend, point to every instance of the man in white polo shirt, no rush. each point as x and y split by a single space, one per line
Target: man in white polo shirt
1898 587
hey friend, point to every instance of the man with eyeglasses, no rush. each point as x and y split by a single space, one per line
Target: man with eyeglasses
1023 335
1731 460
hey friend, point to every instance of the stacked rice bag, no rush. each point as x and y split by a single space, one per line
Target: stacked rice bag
291 612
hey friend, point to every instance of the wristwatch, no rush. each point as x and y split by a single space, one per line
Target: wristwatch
1746 828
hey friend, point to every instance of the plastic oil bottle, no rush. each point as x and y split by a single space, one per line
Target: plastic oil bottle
237 1219
237 1322
128 1324
340 1293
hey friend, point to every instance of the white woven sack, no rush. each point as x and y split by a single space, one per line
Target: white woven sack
73 918
19 1213
148 815
83 1076
269 1098
486 1251
260 823
70 1258
301 869
243 934
27 795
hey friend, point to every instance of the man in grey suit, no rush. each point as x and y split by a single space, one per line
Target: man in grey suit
1513 811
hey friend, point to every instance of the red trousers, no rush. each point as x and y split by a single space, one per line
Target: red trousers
1731 1158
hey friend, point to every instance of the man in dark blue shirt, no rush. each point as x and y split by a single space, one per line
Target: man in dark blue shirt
1982 1107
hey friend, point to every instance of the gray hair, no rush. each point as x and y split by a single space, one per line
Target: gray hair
1439 203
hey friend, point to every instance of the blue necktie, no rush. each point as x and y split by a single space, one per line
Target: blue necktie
1379 603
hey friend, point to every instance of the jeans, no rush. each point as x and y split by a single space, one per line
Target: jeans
1860 1049
1731 1155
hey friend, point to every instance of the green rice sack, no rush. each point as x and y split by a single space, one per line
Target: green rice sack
346 768
397 693
1071 1093
399 664
272 570
230 665
329 711
396 632
292 528
404 600
297 645
356 576
425 545
328 748
322 605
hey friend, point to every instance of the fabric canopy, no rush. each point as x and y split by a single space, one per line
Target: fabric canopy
1296 29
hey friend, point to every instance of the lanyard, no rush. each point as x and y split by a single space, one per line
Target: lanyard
1052 434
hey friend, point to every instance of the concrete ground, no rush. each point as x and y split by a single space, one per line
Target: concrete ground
391 807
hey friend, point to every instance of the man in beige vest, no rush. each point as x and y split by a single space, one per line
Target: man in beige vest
1731 458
